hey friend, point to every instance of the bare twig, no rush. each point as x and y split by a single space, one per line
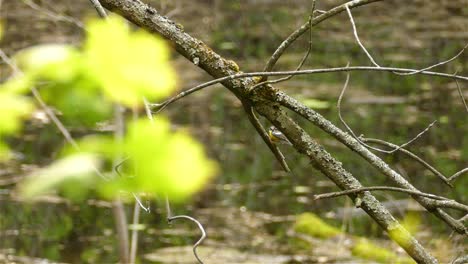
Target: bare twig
160 106
200 226
356 36
461 95
150 117
450 204
304 58
359 139
378 188
438 64
302 29
413 156
121 228
55 16
99 9
456 175
134 239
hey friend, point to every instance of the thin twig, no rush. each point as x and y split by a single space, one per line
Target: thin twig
461 95
359 139
134 239
378 188
437 64
99 9
356 36
200 226
150 117
303 60
302 29
456 175
158 107
55 16
411 155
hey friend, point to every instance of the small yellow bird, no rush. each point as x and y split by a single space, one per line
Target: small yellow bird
277 137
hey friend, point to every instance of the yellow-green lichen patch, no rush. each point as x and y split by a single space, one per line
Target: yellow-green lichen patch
312 225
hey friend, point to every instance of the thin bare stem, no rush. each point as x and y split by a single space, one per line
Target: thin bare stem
121 228
438 64
200 226
411 155
99 9
303 60
356 36
149 114
359 139
302 29
134 239
456 175
378 188
461 95
158 107
54 16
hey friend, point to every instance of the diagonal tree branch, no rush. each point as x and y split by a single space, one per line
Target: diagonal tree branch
374 160
197 52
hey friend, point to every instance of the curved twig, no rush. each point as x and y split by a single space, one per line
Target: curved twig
457 174
200 226
461 95
356 36
306 55
413 156
302 29
359 139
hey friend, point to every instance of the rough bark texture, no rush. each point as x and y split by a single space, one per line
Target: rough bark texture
201 55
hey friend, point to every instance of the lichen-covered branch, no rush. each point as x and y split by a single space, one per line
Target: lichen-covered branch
200 54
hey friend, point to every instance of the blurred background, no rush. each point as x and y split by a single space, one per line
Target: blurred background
251 208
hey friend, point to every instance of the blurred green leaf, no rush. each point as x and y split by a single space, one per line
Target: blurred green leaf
128 65
54 62
14 107
78 168
162 162
316 104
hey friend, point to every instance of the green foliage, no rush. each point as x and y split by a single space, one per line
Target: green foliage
14 107
119 59
77 169
115 66
311 224
162 162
